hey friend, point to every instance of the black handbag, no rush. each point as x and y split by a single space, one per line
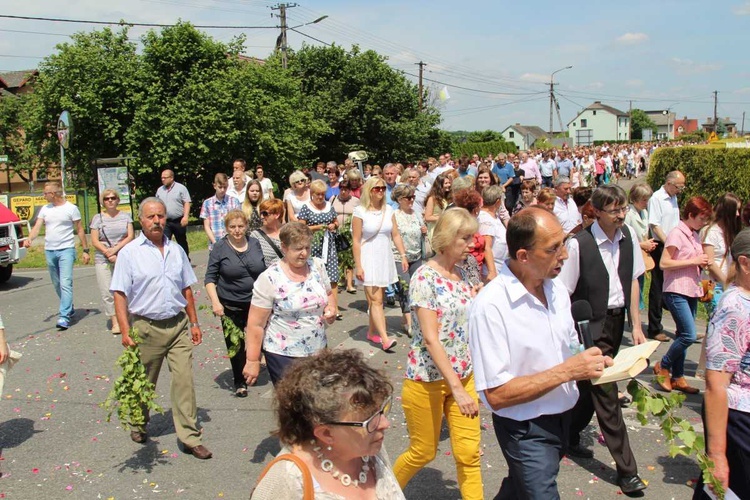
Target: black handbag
342 244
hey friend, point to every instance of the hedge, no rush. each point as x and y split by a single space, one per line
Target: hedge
708 172
482 148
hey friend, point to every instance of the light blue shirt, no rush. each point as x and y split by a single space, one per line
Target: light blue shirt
388 192
563 167
152 282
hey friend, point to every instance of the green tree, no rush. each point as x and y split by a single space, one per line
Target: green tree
365 104
640 121
484 136
15 114
94 78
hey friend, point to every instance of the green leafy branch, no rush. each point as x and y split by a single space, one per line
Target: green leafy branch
233 333
679 433
132 392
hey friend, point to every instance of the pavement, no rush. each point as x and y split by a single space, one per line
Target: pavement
55 442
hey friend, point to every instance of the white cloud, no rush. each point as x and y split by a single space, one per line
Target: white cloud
690 67
635 82
632 38
594 86
535 77
742 10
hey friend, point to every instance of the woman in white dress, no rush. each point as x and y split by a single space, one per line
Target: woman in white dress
374 228
297 195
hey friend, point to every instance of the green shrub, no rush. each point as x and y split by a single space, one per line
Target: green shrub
483 148
623 141
708 172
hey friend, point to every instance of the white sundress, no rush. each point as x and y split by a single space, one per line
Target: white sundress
376 255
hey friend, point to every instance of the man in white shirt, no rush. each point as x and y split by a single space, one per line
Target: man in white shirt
62 221
663 216
238 189
527 356
565 208
265 183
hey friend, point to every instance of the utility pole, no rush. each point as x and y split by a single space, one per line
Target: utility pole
630 122
551 102
743 124
281 40
421 69
716 118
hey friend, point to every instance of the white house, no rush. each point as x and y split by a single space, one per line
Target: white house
664 120
523 136
599 122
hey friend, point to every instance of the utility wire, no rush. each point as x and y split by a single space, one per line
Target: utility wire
126 23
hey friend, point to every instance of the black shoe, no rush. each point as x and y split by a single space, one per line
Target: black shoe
138 437
624 402
576 450
390 300
630 484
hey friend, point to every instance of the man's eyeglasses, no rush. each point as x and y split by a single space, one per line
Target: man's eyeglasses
616 211
372 423
110 198
379 189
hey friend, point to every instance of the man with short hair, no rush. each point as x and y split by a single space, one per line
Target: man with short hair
151 286
526 355
176 198
319 174
663 216
565 209
529 166
547 169
603 268
442 167
215 208
62 222
238 189
266 185
563 167
240 164
390 176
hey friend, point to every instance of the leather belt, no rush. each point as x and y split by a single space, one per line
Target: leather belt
617 311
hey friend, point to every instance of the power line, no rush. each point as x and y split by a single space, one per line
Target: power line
123 23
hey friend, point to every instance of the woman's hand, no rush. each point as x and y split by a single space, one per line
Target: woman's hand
476 288
112 258
648 245
404 264
251 371
332 227
329 314
217 308
108 252
468 406
701 260
721 469
359 273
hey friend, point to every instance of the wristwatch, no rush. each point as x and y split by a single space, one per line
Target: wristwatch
195 325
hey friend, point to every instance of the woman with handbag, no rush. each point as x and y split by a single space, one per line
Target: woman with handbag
110 231
682 261
637 219
320 216
374 228
332 412
272 215
412 229
344 205
235 262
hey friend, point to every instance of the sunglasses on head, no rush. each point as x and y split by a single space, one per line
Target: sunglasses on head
379 189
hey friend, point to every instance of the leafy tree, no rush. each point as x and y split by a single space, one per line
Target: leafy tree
640 121
484 136
15 114
94 77
365 104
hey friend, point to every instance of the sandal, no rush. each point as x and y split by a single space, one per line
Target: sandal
241 392
353 291
339 316
391 345
374 339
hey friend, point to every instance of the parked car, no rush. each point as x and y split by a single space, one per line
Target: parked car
11 241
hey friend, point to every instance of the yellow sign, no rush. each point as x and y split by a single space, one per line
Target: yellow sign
22 206
713 137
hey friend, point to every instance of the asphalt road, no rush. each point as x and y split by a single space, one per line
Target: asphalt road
56 443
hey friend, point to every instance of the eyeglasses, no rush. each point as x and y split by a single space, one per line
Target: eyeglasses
372 423
678 187
110 198
410 198
379 189
300 182
616 211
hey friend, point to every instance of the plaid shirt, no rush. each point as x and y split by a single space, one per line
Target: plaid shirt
215 211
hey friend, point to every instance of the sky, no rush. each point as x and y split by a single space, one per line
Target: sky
494 57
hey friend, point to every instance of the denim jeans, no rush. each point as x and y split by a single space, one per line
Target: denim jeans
60 266
683 311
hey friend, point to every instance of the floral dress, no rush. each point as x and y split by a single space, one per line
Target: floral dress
323 242
450 300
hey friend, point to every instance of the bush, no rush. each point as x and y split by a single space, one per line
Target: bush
483 148
708 172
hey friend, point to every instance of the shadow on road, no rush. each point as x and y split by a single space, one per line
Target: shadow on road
266 449
16 282
15 432
145 459
432 481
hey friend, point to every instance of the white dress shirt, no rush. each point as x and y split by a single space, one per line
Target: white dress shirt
663 211
567 213
610 252
512 334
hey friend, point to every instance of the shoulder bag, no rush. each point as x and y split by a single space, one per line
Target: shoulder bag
270 242
307 482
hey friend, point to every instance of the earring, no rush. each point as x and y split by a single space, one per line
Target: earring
329 448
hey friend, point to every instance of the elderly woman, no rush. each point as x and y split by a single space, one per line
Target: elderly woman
292 301
413 230
681 262
637 218
251 205
726 405
332 411
439 381
527 196
320 216
491 227
374 229
344 205
355 182
111 230
272 215
298 194
235 262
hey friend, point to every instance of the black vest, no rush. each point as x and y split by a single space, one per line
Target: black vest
593 282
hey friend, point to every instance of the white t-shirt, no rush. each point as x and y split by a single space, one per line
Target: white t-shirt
267 186
715 237
58 224
492 226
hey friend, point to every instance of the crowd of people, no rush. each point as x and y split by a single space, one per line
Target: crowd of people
486 258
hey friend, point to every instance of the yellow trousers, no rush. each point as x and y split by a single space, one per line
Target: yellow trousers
425 404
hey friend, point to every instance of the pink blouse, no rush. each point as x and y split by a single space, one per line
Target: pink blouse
686 280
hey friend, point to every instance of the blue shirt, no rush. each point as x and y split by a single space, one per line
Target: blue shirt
563 167
388 191
152 282
331 192
503 173
471 170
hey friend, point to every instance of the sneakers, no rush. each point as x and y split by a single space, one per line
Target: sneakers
63 324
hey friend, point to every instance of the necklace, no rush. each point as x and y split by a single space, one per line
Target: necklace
327 466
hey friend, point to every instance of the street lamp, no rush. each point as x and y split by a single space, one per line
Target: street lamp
311 22
281 40
666 113
552 95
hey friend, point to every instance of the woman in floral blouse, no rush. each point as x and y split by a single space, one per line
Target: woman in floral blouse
439 378
292 301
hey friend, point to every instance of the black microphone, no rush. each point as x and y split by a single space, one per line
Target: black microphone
582 314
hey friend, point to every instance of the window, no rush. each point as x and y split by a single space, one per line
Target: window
511 134
584 122
594 112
